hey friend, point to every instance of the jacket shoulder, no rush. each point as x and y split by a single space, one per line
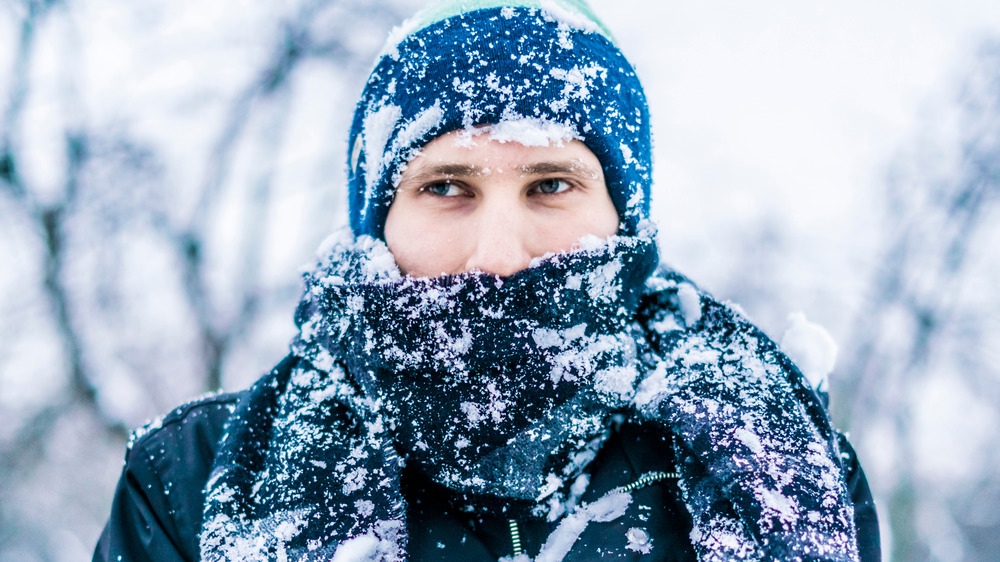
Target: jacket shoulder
205 412
157 509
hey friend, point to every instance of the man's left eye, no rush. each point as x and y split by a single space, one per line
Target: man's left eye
554 185
443 189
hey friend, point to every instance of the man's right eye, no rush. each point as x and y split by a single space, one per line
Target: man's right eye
443 189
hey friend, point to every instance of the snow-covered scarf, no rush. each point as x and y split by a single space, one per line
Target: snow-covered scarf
310 465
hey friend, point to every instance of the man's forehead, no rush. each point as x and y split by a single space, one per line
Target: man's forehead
570 165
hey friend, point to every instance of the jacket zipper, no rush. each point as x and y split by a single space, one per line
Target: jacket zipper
643 481
646 480
515 537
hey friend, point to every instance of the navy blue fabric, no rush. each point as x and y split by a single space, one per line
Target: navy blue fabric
495 65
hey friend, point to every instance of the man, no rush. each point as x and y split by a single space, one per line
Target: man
489 364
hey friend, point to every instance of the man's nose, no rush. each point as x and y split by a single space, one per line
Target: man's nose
498 245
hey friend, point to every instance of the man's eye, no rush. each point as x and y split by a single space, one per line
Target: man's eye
553 185
443 189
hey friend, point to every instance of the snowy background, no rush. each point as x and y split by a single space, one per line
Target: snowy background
166 167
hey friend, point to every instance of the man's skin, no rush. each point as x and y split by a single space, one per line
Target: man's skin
480 204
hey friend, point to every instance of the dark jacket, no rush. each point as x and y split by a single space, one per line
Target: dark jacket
157 508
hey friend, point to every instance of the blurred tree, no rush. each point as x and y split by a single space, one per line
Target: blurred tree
922 377
148 224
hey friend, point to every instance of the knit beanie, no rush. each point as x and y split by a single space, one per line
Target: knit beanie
537 71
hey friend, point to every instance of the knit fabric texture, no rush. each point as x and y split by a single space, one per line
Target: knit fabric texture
540 74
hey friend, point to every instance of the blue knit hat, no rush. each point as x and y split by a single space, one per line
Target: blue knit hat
544 65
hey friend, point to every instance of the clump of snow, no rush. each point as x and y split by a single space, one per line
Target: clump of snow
472 411
811 347
547 337
725 537
777 506
376 263
617 382
378 126
668 323
339 237
531 131
552 483
358 549
591 243
627 153
587 243
140 432
424 122
355 153
398 34
605 282
634 204
365 507
646 228
639 540
560 12
750 439
690 304
286 530
577 490
652 387
528 131
577 79
354 480
607 508
379 262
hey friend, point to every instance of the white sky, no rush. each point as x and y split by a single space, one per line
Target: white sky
791 108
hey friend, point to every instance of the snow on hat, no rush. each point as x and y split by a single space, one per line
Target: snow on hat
536 70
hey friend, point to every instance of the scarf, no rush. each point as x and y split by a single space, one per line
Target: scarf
501 390
498 388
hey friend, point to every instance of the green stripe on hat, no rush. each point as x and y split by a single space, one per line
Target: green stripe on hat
575 13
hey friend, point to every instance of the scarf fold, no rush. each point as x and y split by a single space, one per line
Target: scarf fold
513 402
761 474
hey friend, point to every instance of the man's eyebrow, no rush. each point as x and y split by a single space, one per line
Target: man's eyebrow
574 167
438 171
568 167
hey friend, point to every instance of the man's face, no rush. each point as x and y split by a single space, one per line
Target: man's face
492 206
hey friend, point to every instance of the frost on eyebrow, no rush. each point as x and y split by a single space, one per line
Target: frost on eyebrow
570 167
431 172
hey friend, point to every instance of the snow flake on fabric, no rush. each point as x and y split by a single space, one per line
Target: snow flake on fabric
639 541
